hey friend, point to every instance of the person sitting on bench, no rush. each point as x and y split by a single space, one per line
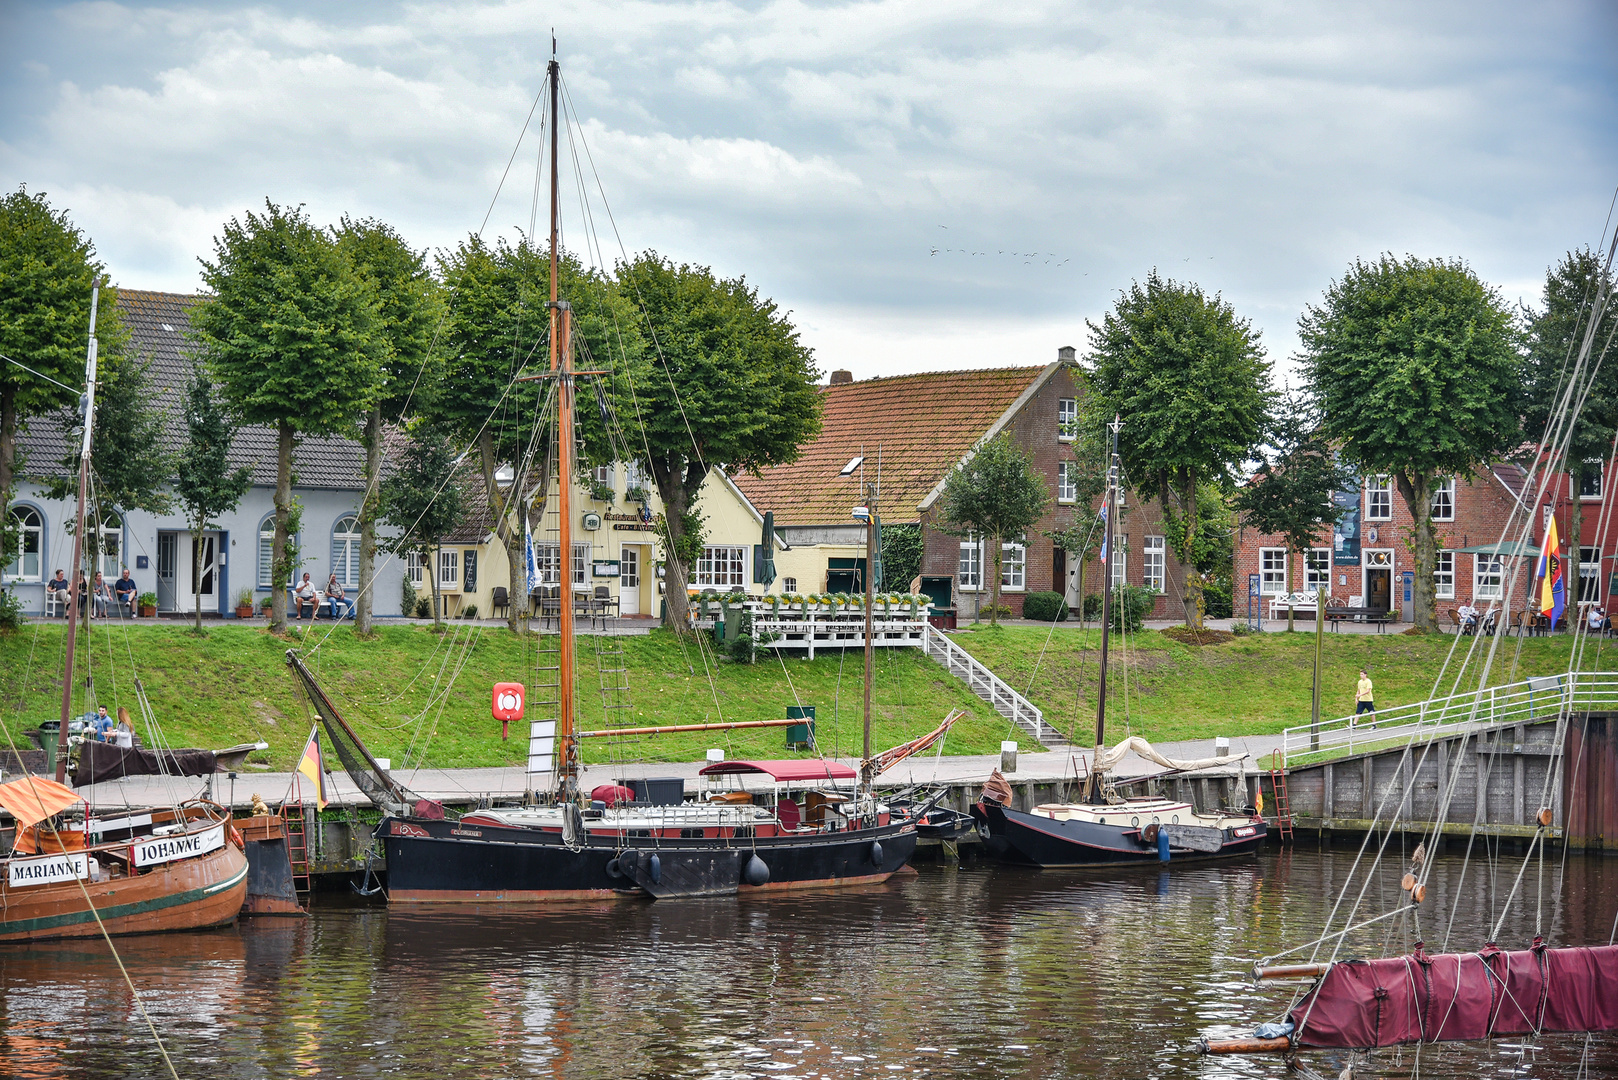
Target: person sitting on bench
125 588
305 595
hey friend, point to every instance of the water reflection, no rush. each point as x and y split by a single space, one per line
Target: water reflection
983 972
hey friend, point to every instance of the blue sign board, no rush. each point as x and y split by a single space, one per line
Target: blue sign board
1345 541
1410 581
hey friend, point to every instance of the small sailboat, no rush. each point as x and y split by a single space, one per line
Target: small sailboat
755 825
1105 827
71 874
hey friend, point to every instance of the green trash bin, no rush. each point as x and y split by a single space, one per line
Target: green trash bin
801 736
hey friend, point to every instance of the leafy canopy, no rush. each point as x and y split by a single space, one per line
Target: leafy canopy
1554 335
292 333
996 493
408 308
1289 495
1413 367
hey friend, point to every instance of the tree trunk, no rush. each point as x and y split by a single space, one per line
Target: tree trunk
196 578
1290 612
510 537
8 444
1191 578
280 558
1417 492
676 487
994 589
368 511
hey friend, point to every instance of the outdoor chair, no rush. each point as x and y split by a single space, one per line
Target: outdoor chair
603 601
55 602
499 600
790 815
1455 617
550 603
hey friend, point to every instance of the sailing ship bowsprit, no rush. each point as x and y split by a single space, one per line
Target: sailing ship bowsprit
1104 828
754 826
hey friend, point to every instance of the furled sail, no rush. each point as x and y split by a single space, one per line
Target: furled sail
385 793
1450 996
1109 759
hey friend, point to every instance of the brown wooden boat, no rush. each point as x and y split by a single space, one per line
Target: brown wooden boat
144 872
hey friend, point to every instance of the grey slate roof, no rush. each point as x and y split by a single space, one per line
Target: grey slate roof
157 324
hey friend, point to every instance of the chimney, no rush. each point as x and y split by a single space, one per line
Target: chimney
840 376
1066 355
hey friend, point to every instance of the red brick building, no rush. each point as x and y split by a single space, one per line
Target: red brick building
911 431
1370 559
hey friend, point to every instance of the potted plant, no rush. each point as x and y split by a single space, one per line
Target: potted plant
147 603
601 491
266 604
244 604
636 494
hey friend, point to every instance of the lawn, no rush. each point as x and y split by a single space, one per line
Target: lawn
1254 685
416 696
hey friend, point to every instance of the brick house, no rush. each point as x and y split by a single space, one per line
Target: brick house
911 431
1369 560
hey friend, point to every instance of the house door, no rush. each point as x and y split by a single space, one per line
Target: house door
1378 589
1059 570
166 552
629 580
192 572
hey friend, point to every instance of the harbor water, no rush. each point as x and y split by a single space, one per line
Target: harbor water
982 971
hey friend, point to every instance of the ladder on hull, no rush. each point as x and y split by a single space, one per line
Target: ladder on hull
297 848
1283 810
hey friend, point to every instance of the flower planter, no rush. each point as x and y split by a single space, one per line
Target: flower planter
244 611
148 611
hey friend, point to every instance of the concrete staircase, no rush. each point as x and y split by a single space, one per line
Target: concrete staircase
991 688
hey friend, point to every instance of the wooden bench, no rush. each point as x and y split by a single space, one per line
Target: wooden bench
1336 615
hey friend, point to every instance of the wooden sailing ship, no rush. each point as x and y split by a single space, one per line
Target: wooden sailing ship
756 826
1104 827
71 874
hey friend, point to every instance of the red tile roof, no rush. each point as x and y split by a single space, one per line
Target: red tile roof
917 426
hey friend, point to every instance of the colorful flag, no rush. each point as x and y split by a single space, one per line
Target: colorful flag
1106 535
314 768
1552 590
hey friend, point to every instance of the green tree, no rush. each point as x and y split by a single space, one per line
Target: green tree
1080 537
1414 368
1290 494
409 308
204 480
1190 382
901 555
423 500
495 330
996 495
293 338
730 384
1555 333
47 267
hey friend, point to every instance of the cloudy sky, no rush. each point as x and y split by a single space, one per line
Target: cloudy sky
925 185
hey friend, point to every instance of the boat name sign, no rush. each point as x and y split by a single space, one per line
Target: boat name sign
168 848
48 869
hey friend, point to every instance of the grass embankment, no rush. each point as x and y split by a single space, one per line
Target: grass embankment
233 686
1255 685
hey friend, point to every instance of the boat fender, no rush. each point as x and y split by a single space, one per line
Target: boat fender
656 868
1162 846
612 868
876 852
757 873
236 838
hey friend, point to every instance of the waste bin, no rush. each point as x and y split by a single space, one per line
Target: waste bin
801 736
47 736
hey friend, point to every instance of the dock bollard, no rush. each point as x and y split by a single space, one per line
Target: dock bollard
1008 756
1221 746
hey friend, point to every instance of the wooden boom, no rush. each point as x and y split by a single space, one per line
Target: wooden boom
1244 1046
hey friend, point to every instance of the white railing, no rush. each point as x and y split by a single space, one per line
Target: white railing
826 627
1528 701
989 686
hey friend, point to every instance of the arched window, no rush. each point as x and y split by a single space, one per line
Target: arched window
31 537
110 537
345 550
266 552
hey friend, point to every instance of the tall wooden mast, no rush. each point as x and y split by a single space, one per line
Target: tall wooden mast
1092 787
75 592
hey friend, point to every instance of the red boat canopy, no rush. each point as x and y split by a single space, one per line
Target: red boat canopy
783 771
1481 995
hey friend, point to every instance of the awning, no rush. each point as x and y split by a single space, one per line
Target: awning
795 769
1519 549
34 798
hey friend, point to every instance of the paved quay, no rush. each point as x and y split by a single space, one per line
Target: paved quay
504 784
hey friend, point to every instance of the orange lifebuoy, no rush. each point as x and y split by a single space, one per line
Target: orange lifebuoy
236 838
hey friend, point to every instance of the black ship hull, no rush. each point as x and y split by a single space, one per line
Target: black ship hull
435 861
1035 840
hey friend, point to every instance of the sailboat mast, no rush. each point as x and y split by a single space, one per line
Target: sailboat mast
1092 788
870 651
75 589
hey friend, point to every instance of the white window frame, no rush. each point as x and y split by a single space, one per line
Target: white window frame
1120 560
1317 570
1154 563
1444 576
602 475
449 569
1013 566
18 570
634 475
345 551
1067 482
722 566
1589 476
581 565
1589 570
1272 569
1379 498
969 565
1067 418
789 585
1488 577
111 534
266 555
548 559
416 570
1443 504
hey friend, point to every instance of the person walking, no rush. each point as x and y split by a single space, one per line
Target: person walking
1364 698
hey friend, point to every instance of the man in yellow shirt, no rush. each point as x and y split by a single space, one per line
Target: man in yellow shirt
1363 698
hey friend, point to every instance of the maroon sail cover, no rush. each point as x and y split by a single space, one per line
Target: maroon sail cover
1450 996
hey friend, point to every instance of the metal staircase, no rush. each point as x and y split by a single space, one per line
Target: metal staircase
991 688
